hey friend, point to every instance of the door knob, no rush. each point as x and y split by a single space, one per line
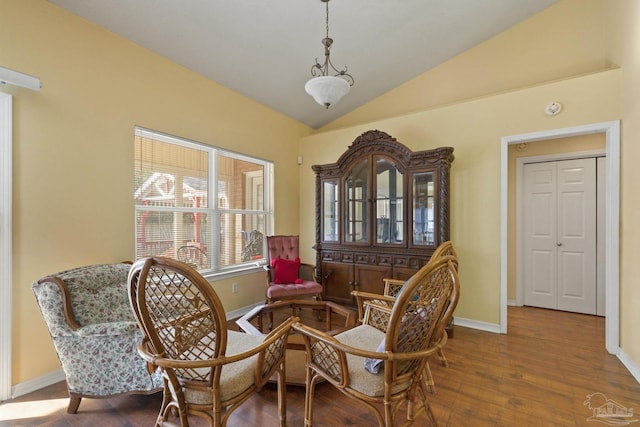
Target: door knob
559 244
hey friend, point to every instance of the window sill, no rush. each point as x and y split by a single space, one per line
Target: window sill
232 272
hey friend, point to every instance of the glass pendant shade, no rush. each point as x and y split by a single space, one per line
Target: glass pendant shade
327 90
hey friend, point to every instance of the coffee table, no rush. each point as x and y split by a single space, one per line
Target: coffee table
327 316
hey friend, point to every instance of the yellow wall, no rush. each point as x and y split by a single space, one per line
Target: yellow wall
73 153
623 47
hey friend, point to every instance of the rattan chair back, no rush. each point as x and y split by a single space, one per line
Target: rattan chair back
180 314
395 338
446 249
208 370
418 312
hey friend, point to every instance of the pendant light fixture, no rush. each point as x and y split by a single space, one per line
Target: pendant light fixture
326 89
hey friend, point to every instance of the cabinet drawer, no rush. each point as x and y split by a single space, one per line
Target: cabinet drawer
346 256
330 256
385 259
366 259
401 261
407 262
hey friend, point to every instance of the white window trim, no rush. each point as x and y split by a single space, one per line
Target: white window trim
237 269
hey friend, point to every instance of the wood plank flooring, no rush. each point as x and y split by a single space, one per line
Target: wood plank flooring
540 374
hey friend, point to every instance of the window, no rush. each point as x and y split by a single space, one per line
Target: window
199 204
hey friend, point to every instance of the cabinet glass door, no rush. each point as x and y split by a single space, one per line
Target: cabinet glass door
389 203
423 209
356 197
330 210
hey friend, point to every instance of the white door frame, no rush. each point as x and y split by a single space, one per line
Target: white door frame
612 215
6 283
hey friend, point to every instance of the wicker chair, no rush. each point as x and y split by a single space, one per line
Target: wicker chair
391 289
94 332
208 371
397 337
393 286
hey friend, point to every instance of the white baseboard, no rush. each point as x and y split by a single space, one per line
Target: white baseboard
476 324
629 364
513 302
37 383
242 311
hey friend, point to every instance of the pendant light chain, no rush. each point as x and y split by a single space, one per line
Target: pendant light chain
327 15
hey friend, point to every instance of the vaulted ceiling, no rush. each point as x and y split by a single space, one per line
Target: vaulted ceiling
265 49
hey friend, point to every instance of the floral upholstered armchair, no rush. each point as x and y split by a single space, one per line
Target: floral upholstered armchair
94 332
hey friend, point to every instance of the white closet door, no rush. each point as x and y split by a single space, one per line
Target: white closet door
540 221
577 235
560 233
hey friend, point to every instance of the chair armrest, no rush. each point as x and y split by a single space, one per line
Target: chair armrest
69 318
275 340
307 272
317 335
268 271
377 314
363 297
392 286
328 356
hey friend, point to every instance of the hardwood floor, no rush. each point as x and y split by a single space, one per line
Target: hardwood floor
540 374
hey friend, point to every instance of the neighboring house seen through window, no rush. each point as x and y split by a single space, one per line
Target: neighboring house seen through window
199 204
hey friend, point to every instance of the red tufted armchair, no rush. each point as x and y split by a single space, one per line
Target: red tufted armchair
287 277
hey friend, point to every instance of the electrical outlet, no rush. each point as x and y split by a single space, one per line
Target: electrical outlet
234 287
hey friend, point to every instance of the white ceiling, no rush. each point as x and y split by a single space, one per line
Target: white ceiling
265 49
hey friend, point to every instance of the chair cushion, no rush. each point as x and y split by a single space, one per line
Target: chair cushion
307 287
236 377
365 337
285 270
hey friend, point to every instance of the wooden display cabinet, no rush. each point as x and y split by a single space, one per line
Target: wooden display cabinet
381 210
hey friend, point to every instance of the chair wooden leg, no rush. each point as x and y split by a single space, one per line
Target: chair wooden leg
74 402
388 414
282 399
432 419
443 360
427 378
308 399
423 398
